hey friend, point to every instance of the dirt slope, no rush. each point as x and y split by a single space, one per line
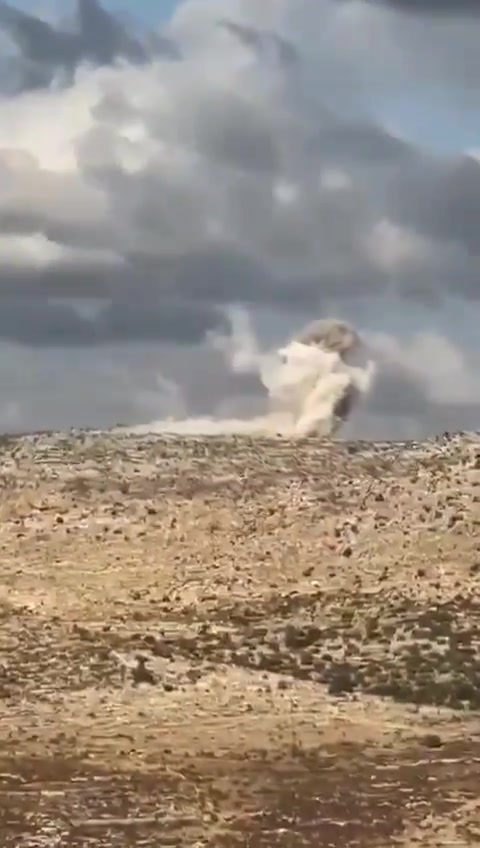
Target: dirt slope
222 642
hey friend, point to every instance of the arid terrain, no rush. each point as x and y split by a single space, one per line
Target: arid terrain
239 642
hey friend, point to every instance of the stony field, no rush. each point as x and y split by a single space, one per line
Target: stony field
239 642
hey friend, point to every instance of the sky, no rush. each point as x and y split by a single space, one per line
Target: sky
288 158
149 11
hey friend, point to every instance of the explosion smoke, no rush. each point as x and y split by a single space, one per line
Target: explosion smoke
312 384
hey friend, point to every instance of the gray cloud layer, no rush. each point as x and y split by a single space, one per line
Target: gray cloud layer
45 52
138 202
236 197
29 321
435 7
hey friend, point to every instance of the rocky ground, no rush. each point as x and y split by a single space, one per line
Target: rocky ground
239 642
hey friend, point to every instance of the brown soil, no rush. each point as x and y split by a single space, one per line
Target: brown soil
239 642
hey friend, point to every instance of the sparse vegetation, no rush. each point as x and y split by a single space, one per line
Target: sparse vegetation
234 639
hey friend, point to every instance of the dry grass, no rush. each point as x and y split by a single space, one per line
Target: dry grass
308 626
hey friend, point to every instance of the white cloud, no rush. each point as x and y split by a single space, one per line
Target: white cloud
441 366
29 250
392 247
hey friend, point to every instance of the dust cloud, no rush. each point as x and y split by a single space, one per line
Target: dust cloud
312 384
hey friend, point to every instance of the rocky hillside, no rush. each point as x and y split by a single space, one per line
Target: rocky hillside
236 641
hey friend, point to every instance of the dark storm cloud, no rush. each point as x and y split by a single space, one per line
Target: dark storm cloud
219 179
75 234
360 142
247 223
209 277
102 38
221 276
441 199
395 390
227 129
171 320
39 323
37 40
276 207
429 7
45 51
158 223
225 126
263 42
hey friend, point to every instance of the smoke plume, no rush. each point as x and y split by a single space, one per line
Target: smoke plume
312 384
